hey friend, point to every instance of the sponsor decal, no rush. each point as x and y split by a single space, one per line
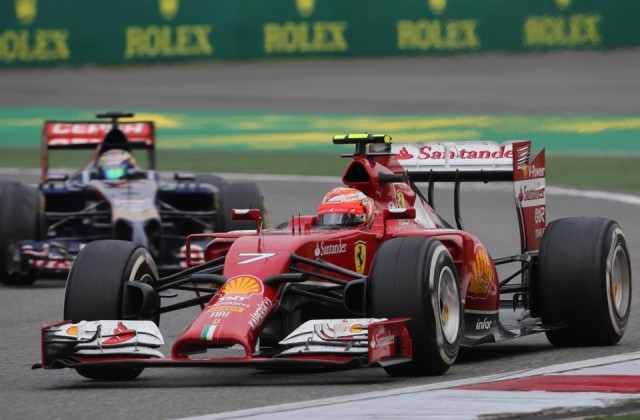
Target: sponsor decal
33 45
220 314
322 249
404 154
484 324
347 328
539 218
72 330
196 257
261 312
437 33
207 332
254 256
228 304
96 129
225 308
360 256
562 29
482 275
120 334
428 153
237 300
293 37
382 341
243 285
401 202
531 193
168 41
343 195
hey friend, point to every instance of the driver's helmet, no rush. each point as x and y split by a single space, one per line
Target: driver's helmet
114 164
344 207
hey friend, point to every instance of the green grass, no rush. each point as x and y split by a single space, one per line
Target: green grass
603 173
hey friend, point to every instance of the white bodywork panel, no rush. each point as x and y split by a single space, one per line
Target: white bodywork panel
330 336
110 337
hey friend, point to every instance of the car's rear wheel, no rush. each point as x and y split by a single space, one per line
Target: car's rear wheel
238 195
210 179
415 277
583 285
97 290
21 218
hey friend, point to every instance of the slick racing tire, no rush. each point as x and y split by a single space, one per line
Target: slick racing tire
415 277
583 284
21 218
213 180
239 195
97 290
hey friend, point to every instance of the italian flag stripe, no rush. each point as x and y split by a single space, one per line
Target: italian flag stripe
207 332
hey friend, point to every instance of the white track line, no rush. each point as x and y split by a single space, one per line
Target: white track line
622 198
325 402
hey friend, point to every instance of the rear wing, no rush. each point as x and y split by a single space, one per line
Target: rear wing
483 162
90 135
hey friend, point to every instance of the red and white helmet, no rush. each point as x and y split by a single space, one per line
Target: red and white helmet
344 206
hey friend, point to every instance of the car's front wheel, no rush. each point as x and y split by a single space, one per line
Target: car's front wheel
97 290
415 277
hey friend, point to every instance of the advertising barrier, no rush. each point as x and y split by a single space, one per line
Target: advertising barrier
72 32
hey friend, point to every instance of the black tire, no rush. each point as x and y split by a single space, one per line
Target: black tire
96 290
575 287
406 279
21 218
238 195
210 179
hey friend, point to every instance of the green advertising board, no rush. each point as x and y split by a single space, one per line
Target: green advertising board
72 32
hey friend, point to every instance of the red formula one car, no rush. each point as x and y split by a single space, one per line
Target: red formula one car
376 277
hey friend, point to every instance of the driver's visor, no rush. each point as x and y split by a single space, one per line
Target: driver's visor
115 172
340 219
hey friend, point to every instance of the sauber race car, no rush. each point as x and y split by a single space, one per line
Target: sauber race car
376 277
43 228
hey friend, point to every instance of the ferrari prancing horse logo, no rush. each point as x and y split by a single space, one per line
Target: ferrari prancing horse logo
360 255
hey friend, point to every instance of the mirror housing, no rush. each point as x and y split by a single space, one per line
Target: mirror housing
398 213
57 177
248 214
184 176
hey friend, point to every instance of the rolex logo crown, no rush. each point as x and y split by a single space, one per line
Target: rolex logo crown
26 10
169 8
305 7
437 6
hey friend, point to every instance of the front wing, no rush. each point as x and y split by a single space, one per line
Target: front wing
136 344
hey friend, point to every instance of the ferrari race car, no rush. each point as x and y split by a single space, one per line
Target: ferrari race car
43 228
375 278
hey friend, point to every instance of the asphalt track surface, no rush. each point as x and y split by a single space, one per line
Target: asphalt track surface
607 84
570 82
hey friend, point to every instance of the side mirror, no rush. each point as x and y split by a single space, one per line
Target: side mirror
57 177
397 213
184 176
248 214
